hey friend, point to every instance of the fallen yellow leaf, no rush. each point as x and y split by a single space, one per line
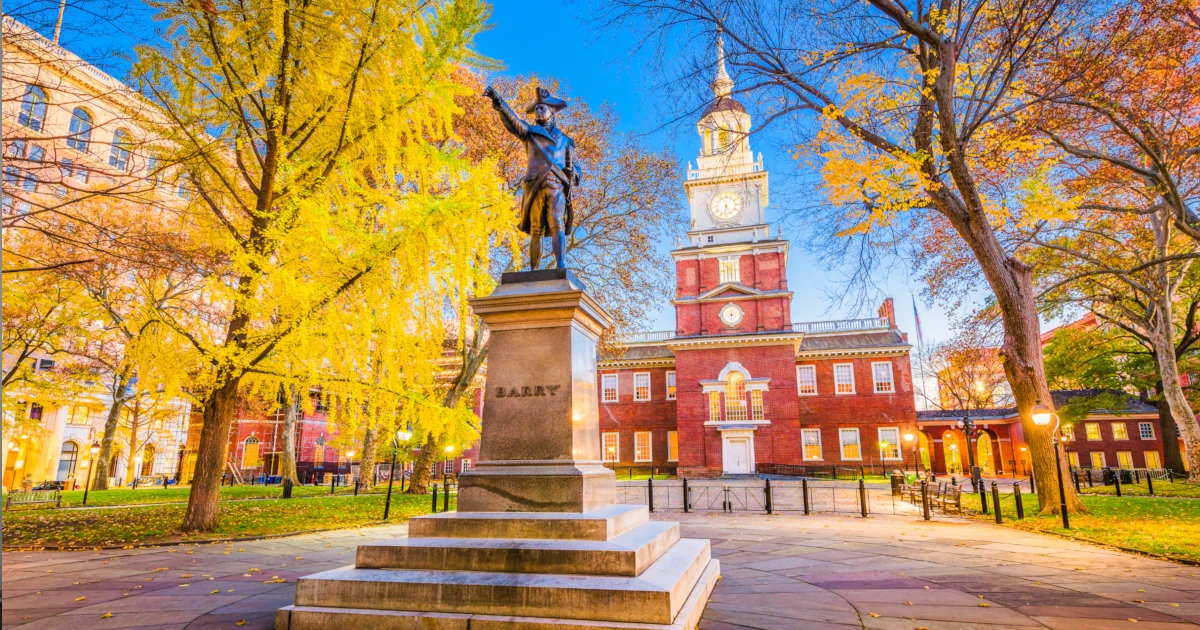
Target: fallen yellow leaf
873 614
985 605
105 615
79 599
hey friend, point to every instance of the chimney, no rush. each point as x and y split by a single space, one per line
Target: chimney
888 310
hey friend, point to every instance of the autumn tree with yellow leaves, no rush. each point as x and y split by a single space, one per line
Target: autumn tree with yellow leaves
311 138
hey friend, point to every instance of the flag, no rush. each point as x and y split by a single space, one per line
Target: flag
917 319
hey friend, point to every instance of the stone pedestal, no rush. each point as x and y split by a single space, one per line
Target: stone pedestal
538 542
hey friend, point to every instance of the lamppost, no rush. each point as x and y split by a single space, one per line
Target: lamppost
401 436
1042 416
912 439
968 428
91 468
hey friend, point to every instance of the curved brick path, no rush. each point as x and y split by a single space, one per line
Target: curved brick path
779 572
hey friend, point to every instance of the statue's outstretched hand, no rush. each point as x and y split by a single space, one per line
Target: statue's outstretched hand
490 92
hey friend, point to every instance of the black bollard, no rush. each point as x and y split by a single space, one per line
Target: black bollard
446 499
1149 483
1032 486
862 497
1088 472
435 491
687 505
983 499
650 493
767 492
804 491
1075 476
332 482
1017 498
1117 481
925 499
356 487
996 503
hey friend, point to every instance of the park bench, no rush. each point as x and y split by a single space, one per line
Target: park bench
952 498
33 497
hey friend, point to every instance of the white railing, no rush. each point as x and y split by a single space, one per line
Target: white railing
653 336
842 325
726 169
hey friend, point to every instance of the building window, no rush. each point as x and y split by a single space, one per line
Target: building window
17 148
756 405
80 414
641 386
670 386
1125 459
612 446
731 270
810 439
1098 460
608 383
33 108
850 448
118 156
883 377
1146 430
735 398
806 379
843 378
66 461
466 463
1120 431
30 183
319 451
714 406
80 130
1152 460
250 457
889 443
1069 431
642 451
672 446
448 467
1093 431
1073 459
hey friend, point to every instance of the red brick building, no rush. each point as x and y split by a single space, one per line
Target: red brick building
737 387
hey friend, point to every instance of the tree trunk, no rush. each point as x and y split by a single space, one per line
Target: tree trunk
366 467
1168 429
101 471
203 501
418 483
1162 337
290 414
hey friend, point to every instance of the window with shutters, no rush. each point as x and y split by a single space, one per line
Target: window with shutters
806 379
843 378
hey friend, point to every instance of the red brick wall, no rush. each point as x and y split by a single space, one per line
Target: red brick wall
1110 446
764 272
627 417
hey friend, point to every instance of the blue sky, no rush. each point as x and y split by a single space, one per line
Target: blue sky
597 68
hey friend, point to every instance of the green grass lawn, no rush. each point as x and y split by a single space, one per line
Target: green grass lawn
1161 489
159 523
175 494
1163 527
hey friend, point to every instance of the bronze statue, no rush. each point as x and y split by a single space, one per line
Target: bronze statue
549 177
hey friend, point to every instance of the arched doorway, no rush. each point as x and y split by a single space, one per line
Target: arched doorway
954 450
924 450
985 454
147 461
67 459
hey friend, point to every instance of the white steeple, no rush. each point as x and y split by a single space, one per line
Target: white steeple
722 85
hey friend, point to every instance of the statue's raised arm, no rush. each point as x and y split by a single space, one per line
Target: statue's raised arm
549 176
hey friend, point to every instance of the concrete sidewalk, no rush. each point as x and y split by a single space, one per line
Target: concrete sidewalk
779 572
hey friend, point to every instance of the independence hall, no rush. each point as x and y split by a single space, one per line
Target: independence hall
738 388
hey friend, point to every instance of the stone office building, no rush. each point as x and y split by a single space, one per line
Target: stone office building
738 387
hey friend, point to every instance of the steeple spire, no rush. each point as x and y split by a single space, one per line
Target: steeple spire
722 84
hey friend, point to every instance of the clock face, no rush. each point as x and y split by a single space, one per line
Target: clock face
731 315
726 206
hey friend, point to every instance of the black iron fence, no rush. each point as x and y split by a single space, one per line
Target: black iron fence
825 472
760 495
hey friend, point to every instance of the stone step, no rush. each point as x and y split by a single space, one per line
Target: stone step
317 618
655 596
603 524
628 554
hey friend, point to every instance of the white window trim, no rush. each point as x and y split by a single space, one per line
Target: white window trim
1130 454
616 388
1112 426
735 263
853 389
841 446
891 378
1099 433
670 380
816 388
676 457
616 445
649 446
1092 459
879 440
1146 424
820 447
635 387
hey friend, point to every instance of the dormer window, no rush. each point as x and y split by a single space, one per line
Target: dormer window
731 270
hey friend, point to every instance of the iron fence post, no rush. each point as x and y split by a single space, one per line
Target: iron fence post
435 492
1117 481
768 493
446 498
650 492
862 497
1017 497
1032 485
925 498
982 498
687 503
1075 477
804 492
996 503
1150 482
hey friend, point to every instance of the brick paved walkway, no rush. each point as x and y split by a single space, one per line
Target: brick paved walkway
779 572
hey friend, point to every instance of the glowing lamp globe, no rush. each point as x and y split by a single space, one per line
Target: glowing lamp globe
1042 414
403 436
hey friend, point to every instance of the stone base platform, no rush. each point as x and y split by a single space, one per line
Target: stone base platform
609 568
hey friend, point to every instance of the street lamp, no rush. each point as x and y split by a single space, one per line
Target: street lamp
137 468
912 439
401 436
968 428
94 450
1042 416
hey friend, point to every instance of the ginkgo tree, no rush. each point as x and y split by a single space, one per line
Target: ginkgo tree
308 137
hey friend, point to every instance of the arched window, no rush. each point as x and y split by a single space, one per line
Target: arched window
147 461
118 157
80 130
723 140
250 458
735 398
33 108
67 460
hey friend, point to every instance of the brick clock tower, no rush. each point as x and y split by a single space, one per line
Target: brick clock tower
737 388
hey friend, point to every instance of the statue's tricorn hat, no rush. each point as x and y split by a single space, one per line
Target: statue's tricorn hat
544 98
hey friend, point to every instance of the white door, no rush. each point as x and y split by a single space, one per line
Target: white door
737 456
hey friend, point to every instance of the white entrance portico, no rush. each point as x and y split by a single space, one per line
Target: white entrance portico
737 450
735 417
